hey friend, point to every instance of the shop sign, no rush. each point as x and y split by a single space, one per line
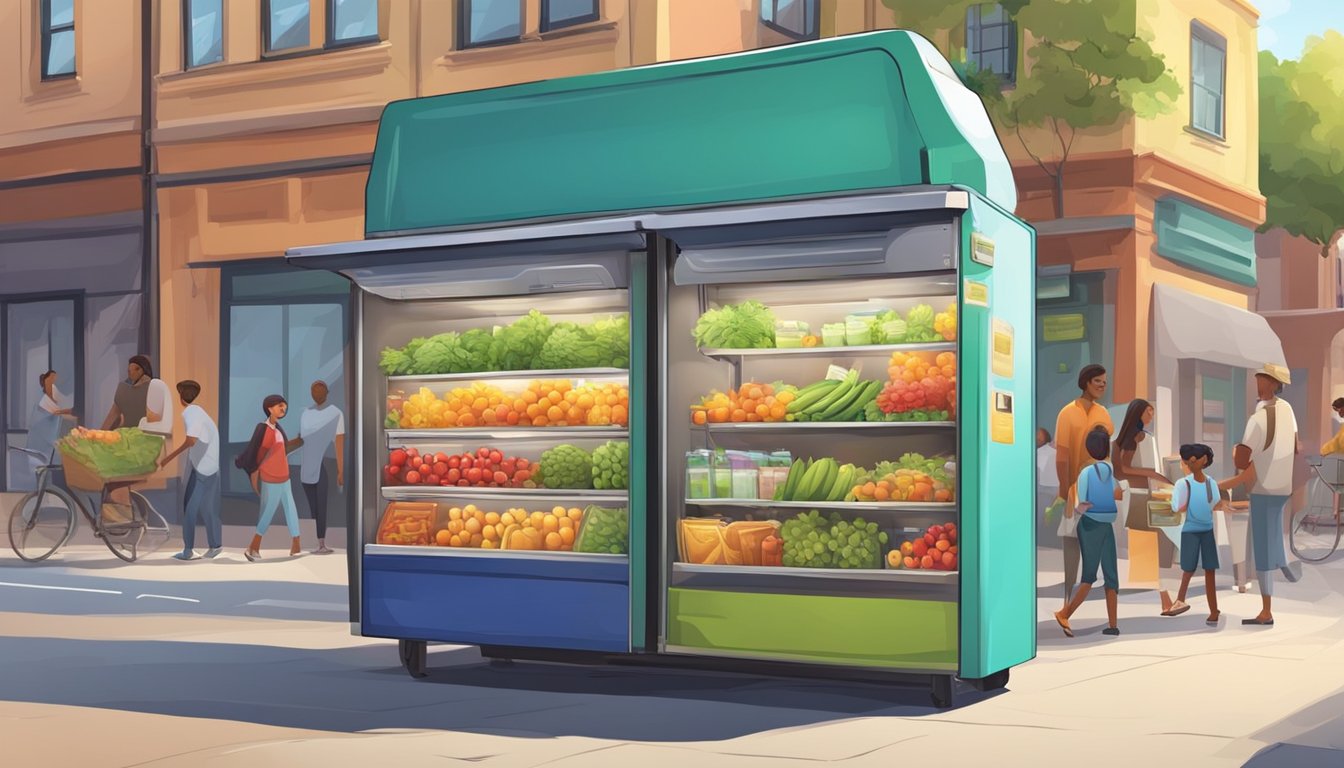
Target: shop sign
982 250
1070 327
975 293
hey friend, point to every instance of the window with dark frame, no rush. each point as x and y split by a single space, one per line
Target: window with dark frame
991 40
558 14
285 24
489 22
1208 80
352 22
58 39
202 32
795 18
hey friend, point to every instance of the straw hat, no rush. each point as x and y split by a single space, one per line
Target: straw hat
1275 372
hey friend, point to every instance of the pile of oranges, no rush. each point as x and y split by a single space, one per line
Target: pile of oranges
473 527
550 403
914 367
752 401
945 323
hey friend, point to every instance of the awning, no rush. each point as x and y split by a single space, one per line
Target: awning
1186 326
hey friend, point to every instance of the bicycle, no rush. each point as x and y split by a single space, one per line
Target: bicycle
1316 529
44 520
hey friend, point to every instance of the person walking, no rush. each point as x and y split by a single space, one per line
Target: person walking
1136 464
1047 482
1097 492
1197 495
1076 421
321 427
266 462
1264 460
202 494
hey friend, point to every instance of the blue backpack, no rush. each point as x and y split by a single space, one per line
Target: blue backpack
1101 494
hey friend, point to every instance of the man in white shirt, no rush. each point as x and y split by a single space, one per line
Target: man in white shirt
1265 459
158 410
320 427
202 495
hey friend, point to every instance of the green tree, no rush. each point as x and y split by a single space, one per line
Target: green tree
1302 141
1087 67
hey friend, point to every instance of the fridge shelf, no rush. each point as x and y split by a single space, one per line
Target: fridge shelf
855 574
574 373
813 426
379 550
872 350
411 492
839 506
509 433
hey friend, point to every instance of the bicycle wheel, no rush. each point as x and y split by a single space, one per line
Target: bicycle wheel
156 531
1316 529
40 523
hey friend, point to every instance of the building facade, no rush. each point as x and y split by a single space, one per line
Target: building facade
76 284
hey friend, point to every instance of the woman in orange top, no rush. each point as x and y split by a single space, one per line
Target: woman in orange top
266 462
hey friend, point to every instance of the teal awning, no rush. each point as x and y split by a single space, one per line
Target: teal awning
869 111
1204 241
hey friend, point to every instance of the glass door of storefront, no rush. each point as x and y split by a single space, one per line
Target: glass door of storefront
1072 331
36 335
282 329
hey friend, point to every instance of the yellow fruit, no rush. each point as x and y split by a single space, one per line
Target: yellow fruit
554 541
473 526
492 518
488 544
550 524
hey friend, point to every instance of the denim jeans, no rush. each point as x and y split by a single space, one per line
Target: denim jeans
202 498
276 495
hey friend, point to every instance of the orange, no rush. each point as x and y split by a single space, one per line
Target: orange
492 518
455 526
476 540
698 417
466 420
540 421
550 523
554 540
555 397
473 526
565 524
443 537
555 413
567 532
454 541
490 533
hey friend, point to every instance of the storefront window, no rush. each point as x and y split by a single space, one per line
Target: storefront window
1075 327
284 330
352 21
204 32
286 24
39 336
556 14
58 38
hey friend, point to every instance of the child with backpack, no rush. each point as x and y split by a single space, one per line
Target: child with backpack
1098 492
1197 495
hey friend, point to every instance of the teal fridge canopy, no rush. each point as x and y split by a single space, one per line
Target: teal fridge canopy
861 112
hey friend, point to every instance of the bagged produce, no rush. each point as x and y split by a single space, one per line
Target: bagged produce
407 523
604 531
743 541
700 540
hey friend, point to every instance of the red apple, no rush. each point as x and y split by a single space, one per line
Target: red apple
926 562
501 478
524 463
454 462
441 456
495 456
483 452
397 457
454 475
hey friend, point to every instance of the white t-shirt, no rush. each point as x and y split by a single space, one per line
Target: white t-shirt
158 400
1046 474
1273 465
318 426
204 455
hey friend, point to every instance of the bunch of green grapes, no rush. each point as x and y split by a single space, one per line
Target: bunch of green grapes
811 541
807 540
858 544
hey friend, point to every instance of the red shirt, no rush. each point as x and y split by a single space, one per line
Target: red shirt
274 466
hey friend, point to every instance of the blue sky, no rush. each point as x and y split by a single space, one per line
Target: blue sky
1286 24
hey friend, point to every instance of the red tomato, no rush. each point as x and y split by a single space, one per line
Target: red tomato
936 530
413 477
454 475
930 540
467 462
523 463
522 475
454 462
397 457
462 483
412 453
432 480
473 475
483 452
440 457
440 468
425 469
495 457
501 478
509 466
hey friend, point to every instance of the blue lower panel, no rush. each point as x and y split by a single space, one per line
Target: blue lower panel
578 605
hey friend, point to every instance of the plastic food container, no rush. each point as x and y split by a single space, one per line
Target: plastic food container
698 475
833 335
770 478
789 339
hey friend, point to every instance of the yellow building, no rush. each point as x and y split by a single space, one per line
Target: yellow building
75 280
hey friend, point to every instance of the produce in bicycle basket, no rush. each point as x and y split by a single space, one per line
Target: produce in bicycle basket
118 453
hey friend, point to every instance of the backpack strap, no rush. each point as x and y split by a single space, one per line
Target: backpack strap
1270 413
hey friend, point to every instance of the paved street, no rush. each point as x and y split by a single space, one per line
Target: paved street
230 663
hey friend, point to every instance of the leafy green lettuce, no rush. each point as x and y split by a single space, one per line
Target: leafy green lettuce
749 325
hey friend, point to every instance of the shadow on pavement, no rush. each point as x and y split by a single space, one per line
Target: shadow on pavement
360 689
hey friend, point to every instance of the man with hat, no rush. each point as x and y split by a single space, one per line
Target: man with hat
1264 459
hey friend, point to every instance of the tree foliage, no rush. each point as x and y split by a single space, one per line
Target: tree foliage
1302 141
1088 66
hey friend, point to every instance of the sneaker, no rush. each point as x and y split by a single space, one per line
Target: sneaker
1112 631
323 551
251 556
213 552
185 556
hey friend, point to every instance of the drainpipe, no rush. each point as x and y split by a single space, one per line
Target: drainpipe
149 236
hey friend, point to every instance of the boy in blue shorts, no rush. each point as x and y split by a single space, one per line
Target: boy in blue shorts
1197 495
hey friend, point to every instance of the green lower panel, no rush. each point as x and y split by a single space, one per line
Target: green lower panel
859 631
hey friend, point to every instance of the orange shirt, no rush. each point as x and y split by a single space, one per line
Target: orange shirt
274 467
1071 436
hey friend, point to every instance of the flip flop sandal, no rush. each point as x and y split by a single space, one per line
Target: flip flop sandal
1213 622
1257 623
1177 609
1064 625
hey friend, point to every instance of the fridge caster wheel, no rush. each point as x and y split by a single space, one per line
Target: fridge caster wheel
942 691
413 657
994 682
